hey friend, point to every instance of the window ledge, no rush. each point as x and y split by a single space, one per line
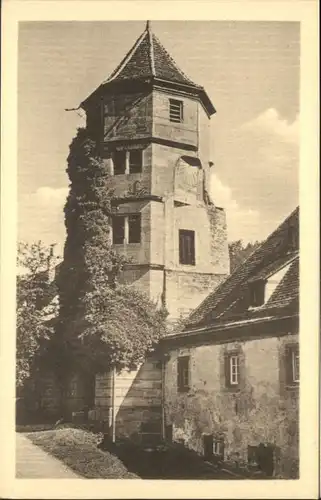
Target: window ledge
255 308
233 388
293 387
126 245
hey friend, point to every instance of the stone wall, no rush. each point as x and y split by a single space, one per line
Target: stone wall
263 410
183 286
186 290
137 397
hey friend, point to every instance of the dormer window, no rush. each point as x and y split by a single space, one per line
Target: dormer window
293 239
257 293
175 111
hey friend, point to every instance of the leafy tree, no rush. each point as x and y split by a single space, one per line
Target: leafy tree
239 252
102 324
34 295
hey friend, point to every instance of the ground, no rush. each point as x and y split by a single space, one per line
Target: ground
32 462
74 453
74 449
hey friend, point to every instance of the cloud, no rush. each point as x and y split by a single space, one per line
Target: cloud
259 162
242 223
270 122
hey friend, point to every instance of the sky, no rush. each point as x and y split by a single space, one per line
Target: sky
250 70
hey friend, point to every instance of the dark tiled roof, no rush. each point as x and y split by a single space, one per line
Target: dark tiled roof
231 297
274 267
148 58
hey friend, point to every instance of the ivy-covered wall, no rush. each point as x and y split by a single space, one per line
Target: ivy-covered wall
262 410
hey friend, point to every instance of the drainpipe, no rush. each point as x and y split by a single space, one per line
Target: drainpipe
163 398
165 357
113 410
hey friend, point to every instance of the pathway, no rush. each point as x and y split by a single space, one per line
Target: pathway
34 463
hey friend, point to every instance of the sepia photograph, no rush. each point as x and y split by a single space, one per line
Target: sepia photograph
158 281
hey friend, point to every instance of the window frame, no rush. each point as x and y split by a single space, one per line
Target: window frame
295 365
114 218
234 375
186 258
257 291
292 365
129 218
114 155
183 384
233 383
176 110
138 167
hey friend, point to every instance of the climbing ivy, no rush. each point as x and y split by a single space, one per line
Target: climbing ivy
102 324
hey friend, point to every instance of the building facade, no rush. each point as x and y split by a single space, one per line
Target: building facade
153 126
231 379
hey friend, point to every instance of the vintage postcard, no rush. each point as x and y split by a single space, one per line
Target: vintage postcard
159 272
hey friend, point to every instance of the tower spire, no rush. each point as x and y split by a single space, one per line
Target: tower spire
148 26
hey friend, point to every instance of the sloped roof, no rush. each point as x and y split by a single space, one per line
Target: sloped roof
149 58
230 299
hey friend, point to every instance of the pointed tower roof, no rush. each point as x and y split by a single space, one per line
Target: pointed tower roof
148 60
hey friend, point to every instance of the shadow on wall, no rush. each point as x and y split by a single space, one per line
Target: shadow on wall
138 400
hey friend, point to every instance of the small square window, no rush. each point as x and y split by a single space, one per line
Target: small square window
135 161
175 111
134 228
183 373
118 230
187 247
119 161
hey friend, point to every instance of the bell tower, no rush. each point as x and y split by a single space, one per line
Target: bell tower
153 126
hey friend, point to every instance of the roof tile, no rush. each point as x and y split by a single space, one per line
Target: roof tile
149 58
230 297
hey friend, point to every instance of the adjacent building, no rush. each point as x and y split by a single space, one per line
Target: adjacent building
231 377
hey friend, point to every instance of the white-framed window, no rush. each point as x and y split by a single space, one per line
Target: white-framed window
234 369
217 447
176 111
